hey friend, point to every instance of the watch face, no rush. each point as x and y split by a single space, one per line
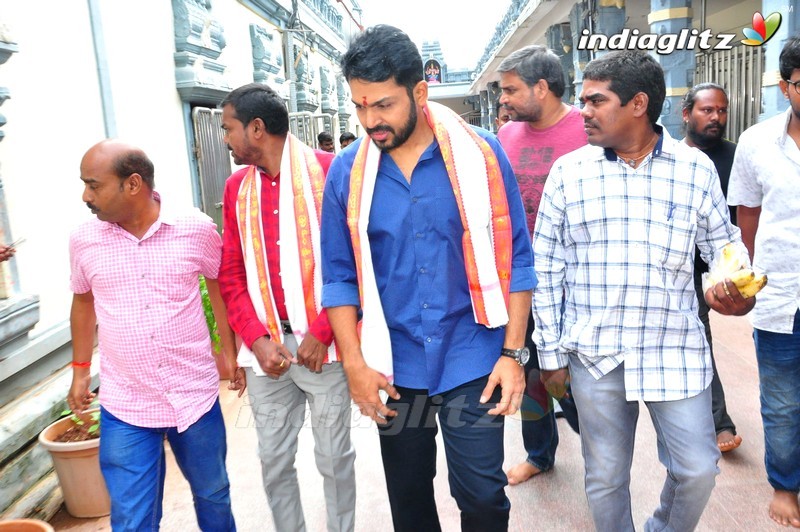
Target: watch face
524 356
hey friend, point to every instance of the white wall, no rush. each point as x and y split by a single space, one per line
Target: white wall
55 114
139 44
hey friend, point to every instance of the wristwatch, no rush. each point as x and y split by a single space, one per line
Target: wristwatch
520 355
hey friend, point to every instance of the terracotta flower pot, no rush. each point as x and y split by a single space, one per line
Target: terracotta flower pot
25 525
78 468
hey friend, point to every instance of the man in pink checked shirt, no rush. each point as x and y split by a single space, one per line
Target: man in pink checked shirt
135 275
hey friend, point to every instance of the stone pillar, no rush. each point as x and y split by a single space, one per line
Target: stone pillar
609 19
306 99
327 98
8 271
772 99
342 96
579 17
559 39
486 114
18 312
493 95
671 16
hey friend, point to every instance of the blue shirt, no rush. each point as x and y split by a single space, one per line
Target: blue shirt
415 233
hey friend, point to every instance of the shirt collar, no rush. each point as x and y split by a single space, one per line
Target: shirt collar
611 155
266 174
166 215
783 133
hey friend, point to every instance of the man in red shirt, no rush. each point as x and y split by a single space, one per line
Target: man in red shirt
270 281
541 129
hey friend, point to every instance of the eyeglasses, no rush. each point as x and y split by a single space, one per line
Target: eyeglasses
796 85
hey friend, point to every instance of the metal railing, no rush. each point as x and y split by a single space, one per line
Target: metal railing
739 71
213 160
306 126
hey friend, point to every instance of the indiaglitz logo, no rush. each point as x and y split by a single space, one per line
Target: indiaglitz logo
686 39
762 29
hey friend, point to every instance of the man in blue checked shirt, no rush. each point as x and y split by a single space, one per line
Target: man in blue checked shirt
615 236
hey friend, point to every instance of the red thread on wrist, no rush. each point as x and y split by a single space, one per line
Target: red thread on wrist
81 364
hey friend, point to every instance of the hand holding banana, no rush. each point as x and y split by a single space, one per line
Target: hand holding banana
732 265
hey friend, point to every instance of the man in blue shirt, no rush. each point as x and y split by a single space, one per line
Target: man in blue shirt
443 324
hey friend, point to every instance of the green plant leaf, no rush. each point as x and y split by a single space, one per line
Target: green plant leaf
211 321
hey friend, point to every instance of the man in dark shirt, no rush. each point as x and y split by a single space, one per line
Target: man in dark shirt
705 115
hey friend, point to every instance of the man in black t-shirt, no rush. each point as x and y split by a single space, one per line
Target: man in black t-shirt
705 115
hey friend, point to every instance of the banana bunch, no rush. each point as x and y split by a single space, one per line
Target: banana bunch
732 264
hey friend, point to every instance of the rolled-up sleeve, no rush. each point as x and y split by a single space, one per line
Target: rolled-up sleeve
549 254
339 277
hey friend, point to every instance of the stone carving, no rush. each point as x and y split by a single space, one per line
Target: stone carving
304 77
328 13
199 40
327 98
267 56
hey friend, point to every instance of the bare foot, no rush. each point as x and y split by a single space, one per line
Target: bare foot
784 509
728 441
521 472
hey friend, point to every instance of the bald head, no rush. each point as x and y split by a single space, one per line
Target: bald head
118 183
122 159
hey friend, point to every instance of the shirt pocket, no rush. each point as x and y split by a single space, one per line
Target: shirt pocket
447 213
672 243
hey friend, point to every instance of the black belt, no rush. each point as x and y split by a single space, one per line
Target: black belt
286 327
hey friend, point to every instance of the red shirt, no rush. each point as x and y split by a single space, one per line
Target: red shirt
232 277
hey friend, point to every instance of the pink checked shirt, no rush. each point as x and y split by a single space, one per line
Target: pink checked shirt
156 364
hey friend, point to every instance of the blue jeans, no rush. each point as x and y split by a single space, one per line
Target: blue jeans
539 429
473 444
687 446
133 464
779 376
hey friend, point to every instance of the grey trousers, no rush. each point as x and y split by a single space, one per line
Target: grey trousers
279 413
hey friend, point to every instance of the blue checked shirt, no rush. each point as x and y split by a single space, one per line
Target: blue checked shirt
616 245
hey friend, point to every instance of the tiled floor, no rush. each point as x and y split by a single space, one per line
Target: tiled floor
552 501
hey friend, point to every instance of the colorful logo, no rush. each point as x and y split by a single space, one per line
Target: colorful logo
762 30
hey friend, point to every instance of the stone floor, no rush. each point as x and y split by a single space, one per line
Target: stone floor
552 501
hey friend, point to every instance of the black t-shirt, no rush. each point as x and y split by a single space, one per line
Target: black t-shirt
722 157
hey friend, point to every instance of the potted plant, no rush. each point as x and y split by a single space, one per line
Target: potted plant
74 444
25 525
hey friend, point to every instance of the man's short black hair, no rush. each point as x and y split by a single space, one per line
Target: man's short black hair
135 162
344 137
255 100
687 104
533 63
381 53
790 57
629 73
324 136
